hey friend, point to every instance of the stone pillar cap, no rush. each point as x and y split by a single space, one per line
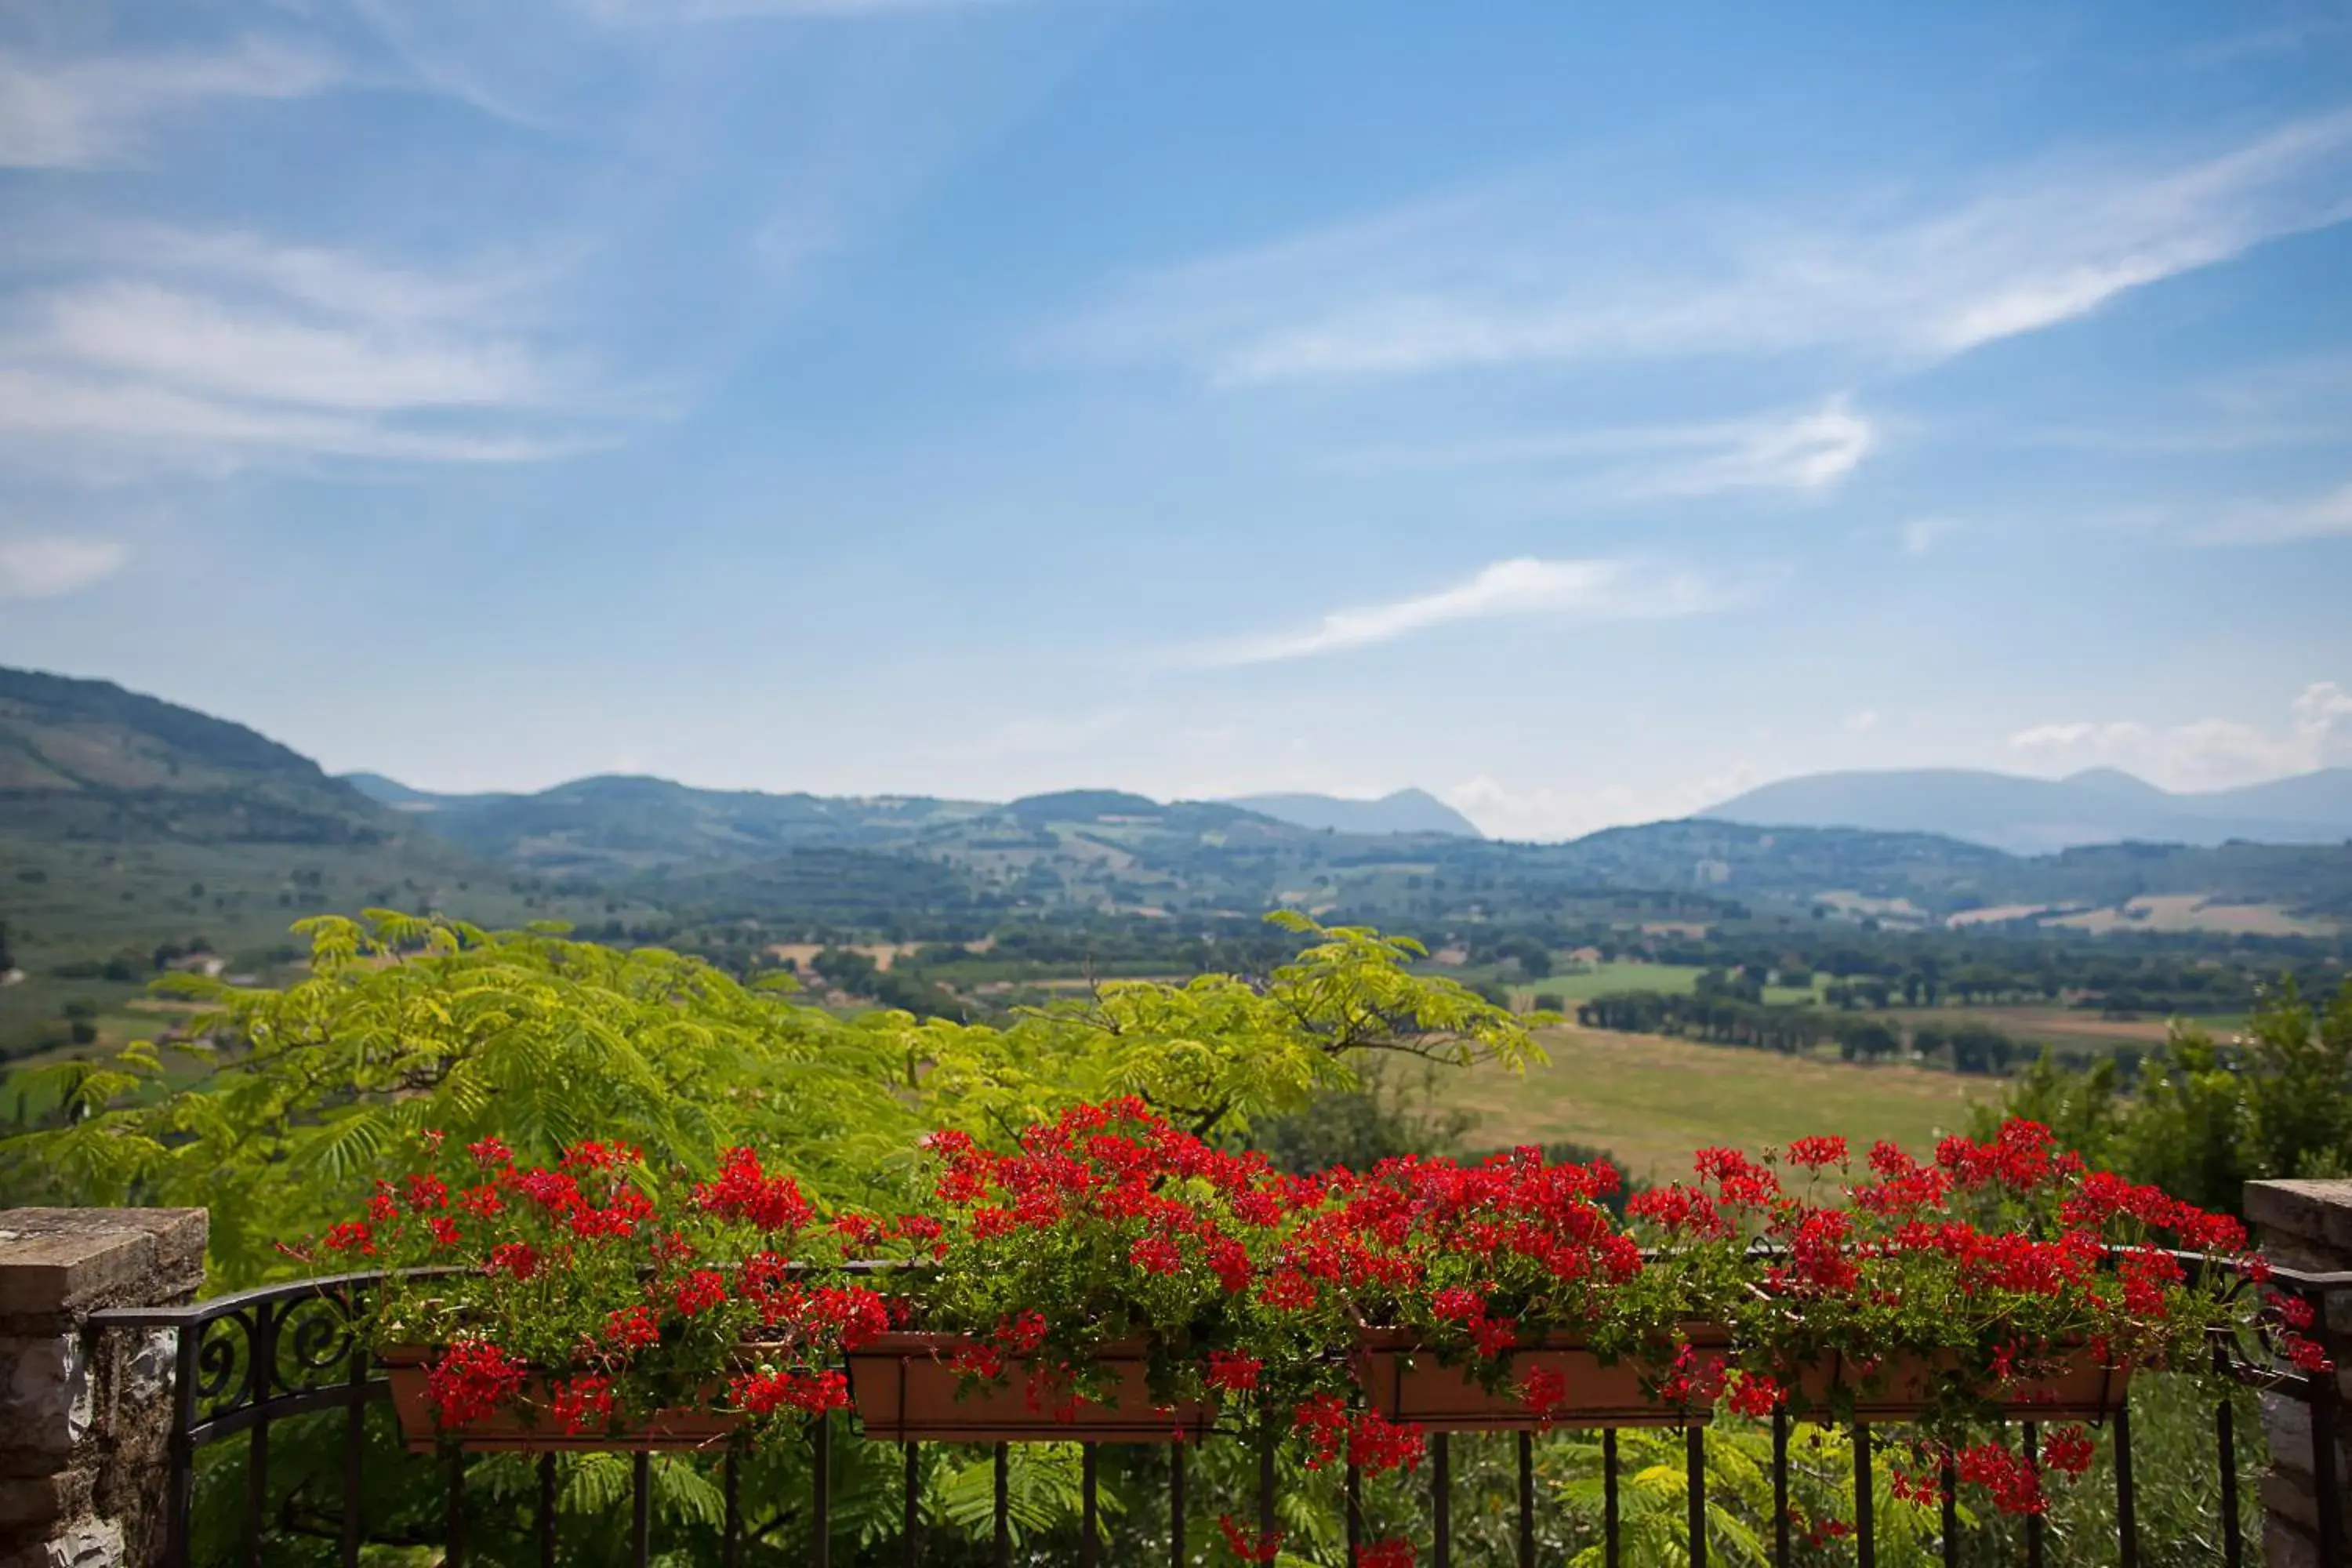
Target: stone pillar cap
65 1262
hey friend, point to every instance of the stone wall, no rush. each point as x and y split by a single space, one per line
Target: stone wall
85 1416
2305 1226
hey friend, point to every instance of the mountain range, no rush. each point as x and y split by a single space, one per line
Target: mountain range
2037 816
125 820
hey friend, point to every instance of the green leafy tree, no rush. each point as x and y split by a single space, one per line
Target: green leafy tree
301 1097
1217 1051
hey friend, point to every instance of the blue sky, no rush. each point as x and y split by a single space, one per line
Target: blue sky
1580 412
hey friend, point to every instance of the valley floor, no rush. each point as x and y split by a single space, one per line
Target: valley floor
1653 1102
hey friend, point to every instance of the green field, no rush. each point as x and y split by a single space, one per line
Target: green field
1652 1101
1583 983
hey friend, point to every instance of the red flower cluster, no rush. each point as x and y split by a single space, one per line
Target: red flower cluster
1233 1373
473 1378
1391 1553
1370 1440
1815 1153
743 1191
1543 1390
812 1393
583 1404
1753 1394
1248 1546
2011 1478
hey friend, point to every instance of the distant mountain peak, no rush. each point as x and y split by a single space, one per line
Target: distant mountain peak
2038 817
2116 782
1403 811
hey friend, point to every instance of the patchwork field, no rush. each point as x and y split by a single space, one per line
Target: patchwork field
1572 986
2073 1026
1652 1102
2197 912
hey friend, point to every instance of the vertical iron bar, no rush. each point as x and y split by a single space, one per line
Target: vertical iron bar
1951 1490
1089 1547
2126 1503
1355 1513
182 1476
547 1510
641 1511
1440 1451
263 1348
354 1453
911 1526
2327 1461
730 1538
1865 1501
1694 1491
2034 1521
1609 1497
1004 1505
2225 1432
454 1554
821 1519
1265 1481
1779 1486
1176 1505
1527 1500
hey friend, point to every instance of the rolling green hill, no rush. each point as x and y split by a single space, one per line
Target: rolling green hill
135 834
85 759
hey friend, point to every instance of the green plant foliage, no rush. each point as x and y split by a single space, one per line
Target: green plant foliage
2212 1114
290 1103
1217 1051
305 1096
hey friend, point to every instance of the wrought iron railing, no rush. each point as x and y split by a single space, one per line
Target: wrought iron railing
247 1361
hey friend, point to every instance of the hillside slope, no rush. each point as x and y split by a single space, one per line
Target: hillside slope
86 758
134 830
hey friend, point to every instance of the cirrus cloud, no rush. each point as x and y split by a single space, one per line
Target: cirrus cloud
1590 590
48 566
1534 272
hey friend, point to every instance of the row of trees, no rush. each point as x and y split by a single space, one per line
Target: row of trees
1722 1018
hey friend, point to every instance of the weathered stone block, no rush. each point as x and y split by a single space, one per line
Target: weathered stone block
62 1262
2314 1213
43 1499
85 1412
44 1389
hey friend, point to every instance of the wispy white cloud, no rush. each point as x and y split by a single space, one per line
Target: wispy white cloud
48 566
1806 451
2322 516
101 109
2203 754
177 349
1572 590
1533 273
351 361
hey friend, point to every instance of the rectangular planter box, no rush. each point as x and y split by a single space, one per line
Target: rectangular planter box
1406 1382
905 1390
2080 1388
513 1429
